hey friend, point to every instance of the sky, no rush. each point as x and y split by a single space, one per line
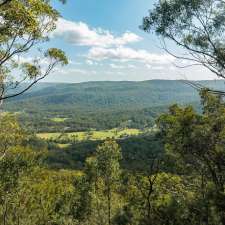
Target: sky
103 41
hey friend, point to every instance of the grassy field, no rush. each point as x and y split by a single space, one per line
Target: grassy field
58 119
91 135
63 146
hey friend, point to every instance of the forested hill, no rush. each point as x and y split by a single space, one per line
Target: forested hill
110 95
101 105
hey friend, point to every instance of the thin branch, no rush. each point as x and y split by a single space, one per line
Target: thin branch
32 84
200 87
5 2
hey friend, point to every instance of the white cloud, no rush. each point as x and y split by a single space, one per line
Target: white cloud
74 63
158 68
105 45
115 66
110 54
131 66
79 33
148 66
125 66
71 71
75 71
129 54
90 62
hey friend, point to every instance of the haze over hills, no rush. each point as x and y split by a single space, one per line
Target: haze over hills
123 95
102 105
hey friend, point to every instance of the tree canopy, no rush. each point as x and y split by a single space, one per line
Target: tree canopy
197 26
19 35
196 143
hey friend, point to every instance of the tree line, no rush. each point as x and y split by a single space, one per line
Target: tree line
184 184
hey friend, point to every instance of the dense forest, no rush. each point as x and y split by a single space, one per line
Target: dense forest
111 153
101 105
129 181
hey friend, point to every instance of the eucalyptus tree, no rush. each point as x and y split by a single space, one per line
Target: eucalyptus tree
24 27
108 156
5 2
197 141
197 26
11 134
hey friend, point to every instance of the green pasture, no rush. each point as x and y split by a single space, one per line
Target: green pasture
91 135
58 119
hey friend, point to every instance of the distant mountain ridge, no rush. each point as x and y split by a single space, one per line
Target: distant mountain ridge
111 94
101 105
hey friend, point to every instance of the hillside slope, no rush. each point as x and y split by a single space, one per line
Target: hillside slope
113 94
102 105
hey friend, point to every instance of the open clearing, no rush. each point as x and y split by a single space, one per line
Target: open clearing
58 119
91 135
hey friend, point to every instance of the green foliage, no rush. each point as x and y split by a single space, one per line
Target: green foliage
160 202
101 105
11 133
31 194
58 55
197 26
134 150
197 142
108 156
31 70
18 35
105 170
137 189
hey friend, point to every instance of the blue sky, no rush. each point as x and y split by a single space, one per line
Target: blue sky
103 42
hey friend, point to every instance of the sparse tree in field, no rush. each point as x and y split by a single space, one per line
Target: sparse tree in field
197 26
74 138
24 27
89 135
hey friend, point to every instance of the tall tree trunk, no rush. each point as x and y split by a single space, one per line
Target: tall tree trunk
149 209
109 204
223 218
5 215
